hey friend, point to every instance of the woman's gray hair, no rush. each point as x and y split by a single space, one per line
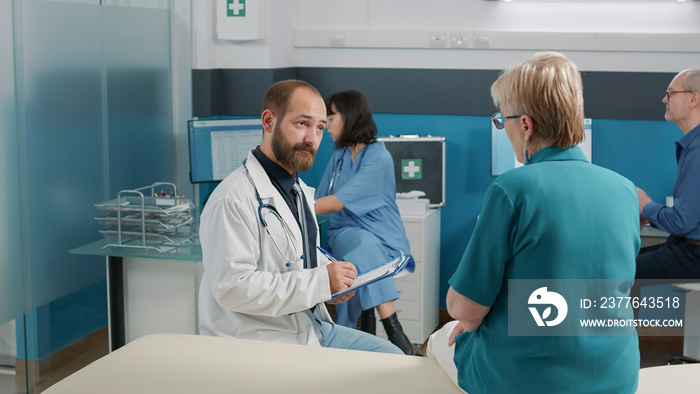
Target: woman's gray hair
548 89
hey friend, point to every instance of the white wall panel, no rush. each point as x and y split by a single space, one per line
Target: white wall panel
329 14
280 33
487 60
584 16
602 36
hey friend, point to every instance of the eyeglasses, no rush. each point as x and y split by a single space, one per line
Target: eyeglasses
499 120
671 92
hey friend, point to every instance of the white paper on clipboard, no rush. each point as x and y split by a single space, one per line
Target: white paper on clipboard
390 268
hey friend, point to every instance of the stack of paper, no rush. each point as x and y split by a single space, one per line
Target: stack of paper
386 270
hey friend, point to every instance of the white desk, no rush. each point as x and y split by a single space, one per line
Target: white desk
669 379
149 292
652 236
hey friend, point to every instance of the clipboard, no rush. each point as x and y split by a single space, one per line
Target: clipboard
388 269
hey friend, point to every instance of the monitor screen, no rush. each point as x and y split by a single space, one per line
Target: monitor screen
217 147
503 155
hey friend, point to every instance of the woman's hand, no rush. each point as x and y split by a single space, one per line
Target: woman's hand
328 204
456 331
469 313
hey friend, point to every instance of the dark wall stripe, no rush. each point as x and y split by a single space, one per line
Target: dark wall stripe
607 95
233 91
411 91
625 95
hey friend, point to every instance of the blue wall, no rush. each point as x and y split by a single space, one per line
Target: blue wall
642 151
629 136
64 321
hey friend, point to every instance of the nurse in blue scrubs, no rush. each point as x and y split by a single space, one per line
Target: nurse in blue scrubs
359 189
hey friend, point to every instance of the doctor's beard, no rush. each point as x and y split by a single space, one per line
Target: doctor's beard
297 157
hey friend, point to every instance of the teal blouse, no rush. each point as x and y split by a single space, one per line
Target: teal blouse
558 217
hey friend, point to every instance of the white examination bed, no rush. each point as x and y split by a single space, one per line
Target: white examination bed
177 363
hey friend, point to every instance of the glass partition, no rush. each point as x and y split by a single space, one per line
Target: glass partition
11 298
138 95
85 110
10 272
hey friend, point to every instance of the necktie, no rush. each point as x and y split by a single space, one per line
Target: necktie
301 214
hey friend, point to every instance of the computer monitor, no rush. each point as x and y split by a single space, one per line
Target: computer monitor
503 155
219 146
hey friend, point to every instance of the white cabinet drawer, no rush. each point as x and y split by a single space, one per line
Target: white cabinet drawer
412 330
410 327
414 276
407 309
409 291
414 233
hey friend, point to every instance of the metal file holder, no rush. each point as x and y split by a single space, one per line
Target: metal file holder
148 220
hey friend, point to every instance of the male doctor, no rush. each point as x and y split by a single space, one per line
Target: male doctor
264 278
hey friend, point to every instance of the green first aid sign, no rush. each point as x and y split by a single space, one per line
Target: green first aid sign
411 169
235 7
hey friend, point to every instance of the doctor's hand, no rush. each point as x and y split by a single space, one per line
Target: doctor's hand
341 275
343 298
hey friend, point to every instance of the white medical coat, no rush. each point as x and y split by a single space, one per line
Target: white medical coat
247 291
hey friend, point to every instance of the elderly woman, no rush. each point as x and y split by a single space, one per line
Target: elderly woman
557 217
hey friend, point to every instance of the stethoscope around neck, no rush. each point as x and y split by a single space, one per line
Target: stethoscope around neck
271 210
339 167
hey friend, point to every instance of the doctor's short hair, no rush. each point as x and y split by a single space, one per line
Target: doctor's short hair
692 80
279 94
548 88
358 125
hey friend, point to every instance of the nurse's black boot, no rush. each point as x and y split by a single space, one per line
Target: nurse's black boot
368 322
396 335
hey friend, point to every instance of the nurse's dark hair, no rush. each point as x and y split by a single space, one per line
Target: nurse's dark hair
279 94
358 125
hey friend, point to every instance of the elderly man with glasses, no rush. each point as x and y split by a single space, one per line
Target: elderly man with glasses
679 257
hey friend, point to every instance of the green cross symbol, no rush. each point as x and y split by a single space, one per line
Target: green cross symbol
235 7
411 169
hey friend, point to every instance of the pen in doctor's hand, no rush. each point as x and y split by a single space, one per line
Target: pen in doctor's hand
328 255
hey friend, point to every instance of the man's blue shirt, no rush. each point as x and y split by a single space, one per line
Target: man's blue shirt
683 218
